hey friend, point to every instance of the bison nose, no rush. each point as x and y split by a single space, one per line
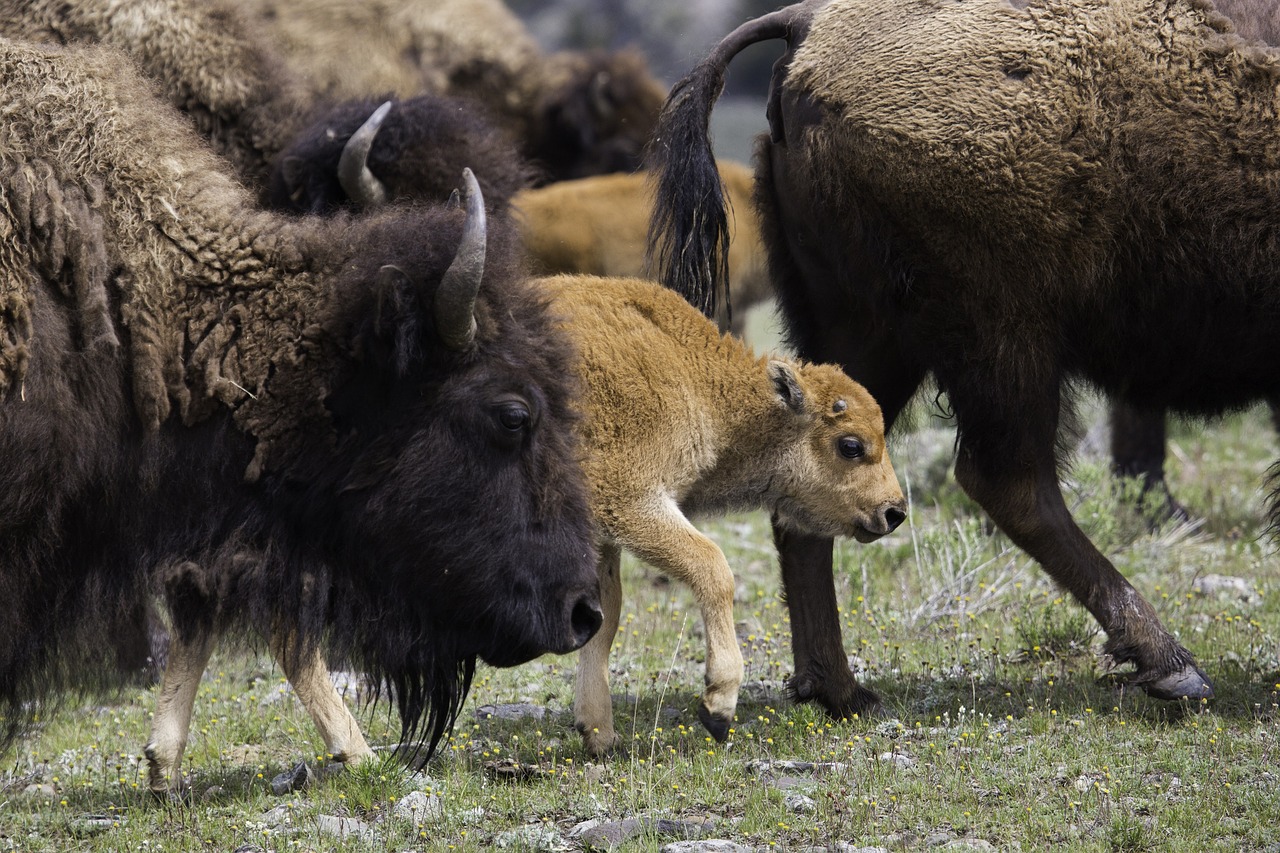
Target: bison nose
584 620
892 516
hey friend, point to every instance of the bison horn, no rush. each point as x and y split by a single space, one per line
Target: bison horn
357 181
456 298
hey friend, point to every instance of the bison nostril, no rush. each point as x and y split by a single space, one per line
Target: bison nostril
893 517
585 620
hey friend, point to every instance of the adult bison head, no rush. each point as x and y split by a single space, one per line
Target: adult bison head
461 527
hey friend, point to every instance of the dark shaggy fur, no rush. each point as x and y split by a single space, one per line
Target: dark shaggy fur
206 60
945 191
246 415
1137 435
419 152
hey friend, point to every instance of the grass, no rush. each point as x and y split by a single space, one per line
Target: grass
1002 723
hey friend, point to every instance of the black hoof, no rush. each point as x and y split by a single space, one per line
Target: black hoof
842 701
1190 682
717 726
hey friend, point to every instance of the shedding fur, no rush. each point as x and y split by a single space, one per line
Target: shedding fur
260 420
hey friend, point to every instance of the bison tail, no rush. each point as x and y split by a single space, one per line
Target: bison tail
688 242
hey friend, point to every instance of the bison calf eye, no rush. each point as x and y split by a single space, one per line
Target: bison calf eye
851 448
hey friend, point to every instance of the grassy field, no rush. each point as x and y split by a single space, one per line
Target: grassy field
1002 728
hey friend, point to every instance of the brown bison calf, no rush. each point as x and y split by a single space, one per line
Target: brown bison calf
598 226
680 420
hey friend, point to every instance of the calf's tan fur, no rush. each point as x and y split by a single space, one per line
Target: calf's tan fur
599 225
681 420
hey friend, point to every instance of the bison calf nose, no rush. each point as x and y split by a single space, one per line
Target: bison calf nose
892 516
584 620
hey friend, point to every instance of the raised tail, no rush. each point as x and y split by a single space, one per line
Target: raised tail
688 244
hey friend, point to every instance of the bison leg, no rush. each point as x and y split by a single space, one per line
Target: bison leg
1138 450
172 721
1015 480
309 676
592 703
822 671
668 542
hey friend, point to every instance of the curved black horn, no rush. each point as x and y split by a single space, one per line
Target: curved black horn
353 167
456 298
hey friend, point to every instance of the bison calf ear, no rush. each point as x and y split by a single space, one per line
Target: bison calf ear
787 386
396 319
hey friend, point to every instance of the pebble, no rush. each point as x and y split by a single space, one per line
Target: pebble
418 807
536 837
710 845
294 779
345 828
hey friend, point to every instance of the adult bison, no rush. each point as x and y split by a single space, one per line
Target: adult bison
573 113
1010 197
354 432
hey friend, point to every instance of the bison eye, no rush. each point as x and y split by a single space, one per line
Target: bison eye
513 416
851 448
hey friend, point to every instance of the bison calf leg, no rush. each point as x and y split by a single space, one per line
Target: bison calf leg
592 702
1025 501
822 672
172 722
309 676
673 545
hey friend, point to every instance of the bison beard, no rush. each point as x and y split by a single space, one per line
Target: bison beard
944 193
352 434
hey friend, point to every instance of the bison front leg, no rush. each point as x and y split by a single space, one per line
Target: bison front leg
822 672
172 722
592 703
672 545
309 676
1017 484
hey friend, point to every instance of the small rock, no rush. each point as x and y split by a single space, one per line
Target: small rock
212 793
516 711
40 791
532 837
976 845
797 803
249 848
279 816
786 783
937 839
710 845
897 759
94 825
345 827
604 836
594 773
1226 586
418 807
294 779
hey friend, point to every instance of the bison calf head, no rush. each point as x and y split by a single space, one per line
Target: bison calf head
836 477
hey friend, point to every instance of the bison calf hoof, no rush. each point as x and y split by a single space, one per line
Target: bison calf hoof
598 743
1190 682
716 724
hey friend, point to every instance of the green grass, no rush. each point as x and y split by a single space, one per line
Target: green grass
1002 723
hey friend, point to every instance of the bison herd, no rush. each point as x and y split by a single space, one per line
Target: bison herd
324 322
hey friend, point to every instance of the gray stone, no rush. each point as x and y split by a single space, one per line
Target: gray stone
279 816
976 845
604 836
710 845
418 807
539 837
345 828
515 711
798 803
94 825
40 791
296 778
898 759
1226 586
